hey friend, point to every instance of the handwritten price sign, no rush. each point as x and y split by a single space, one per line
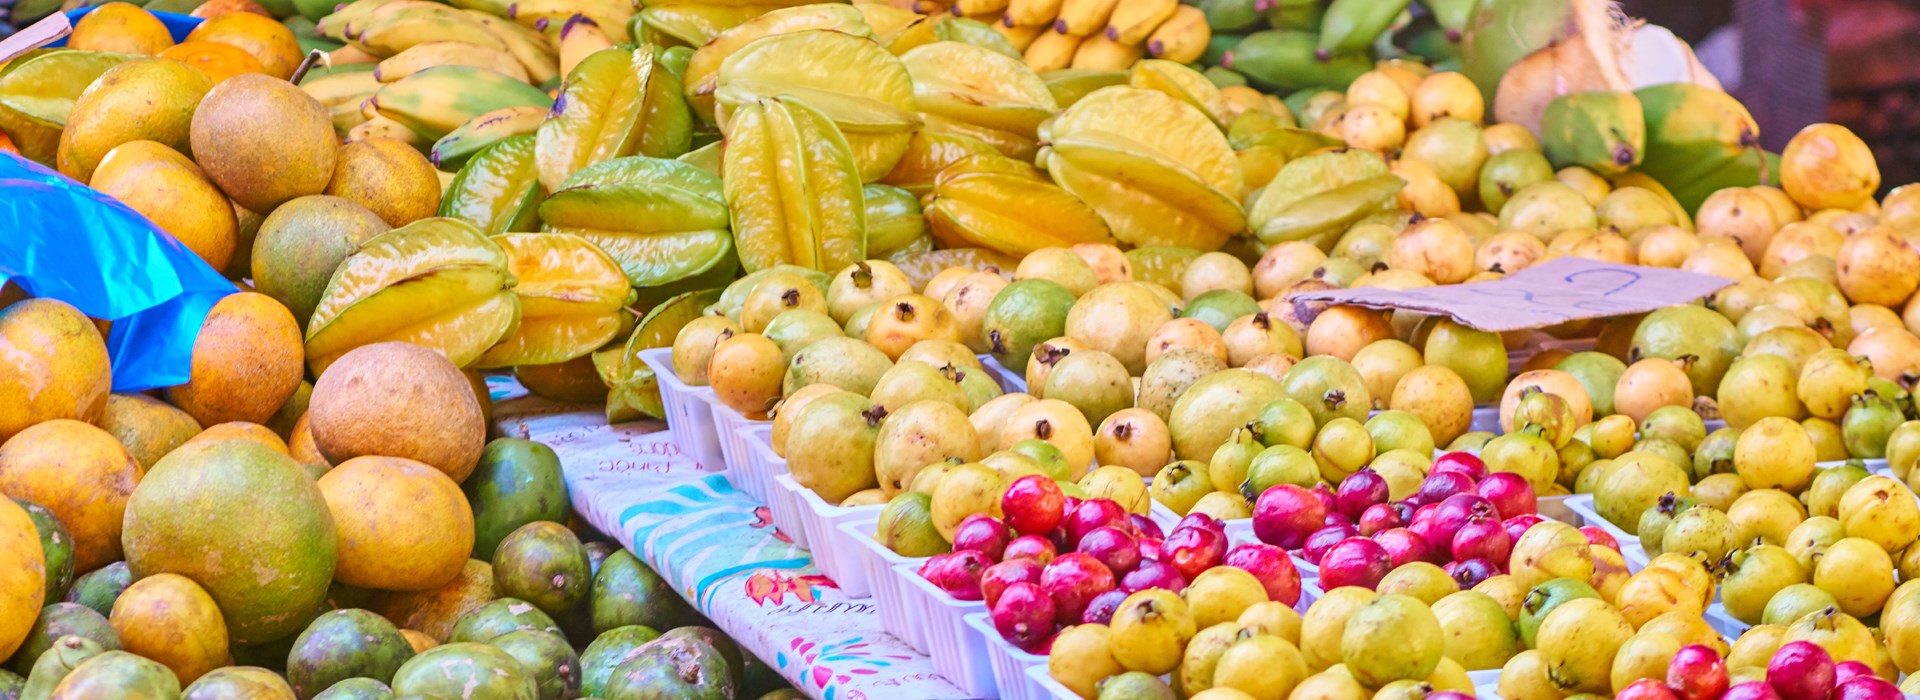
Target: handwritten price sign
1558 291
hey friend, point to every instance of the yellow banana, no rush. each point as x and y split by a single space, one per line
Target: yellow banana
497 8
1183 37
387 33
453 150
976 8
1020 36
531 48
346 115
579 38
1134 20
342 23
384 128
1027 13
348 55
1100 53
611 15
1083 17
438 100
338 88
1051 51
420 57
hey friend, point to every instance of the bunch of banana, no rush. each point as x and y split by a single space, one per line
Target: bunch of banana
1099 34
342 91
438 100
452 151
436 282
1327 43
572 296
661 220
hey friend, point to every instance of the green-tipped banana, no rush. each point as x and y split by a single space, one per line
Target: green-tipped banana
1451 15
1234 15
452 151
1284 60
435 101
1600 130
1693 130
387 33
1305 17
1350 26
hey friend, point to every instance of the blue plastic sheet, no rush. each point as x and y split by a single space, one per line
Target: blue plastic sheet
64 240
177 24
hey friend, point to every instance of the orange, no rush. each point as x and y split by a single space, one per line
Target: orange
434 612
121 28
53 364
270 42
403 526
149 427
240 430
79 472
247 361
172 192
218 61
215 8
22 575
300 446
172 620
398 400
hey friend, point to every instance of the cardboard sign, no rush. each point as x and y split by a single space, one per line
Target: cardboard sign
1553 292
43 32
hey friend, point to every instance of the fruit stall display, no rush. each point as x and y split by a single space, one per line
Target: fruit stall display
1005 294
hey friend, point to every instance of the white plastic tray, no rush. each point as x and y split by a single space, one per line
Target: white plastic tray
959 653
833 554
1582 504
689 412
783 497
732 427
1010 663
897 615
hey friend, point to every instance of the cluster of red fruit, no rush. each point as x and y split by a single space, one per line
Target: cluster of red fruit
1462 518
1798 671
1016 566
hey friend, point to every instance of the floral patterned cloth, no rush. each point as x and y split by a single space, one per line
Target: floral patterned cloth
721 551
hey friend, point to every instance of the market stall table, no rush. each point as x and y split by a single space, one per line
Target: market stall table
719 550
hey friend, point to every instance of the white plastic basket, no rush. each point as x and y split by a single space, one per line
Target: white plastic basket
1050 688
1010 381
733 428
1582 504
1010 663
789 514
833 553
689 412
958 653
897 615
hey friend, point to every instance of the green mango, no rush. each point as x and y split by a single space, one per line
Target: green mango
345 644
465 670
627 592
60 620
516 482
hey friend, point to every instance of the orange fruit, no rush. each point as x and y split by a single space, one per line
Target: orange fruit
53 363
240 430
79 472
398 400
149 427
172 192
247 360
218 61
121 28
270 42
172 620
301 446
434 612
389 178
6 144
215 8
403 526
22 575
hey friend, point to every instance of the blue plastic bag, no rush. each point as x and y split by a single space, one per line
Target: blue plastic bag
64 240
177 24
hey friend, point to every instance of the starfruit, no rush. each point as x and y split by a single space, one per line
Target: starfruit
1006 143
1068 85
694 24
974 32
894 219
1001 204
1183 84
498 190
1162 266
617 102
1155 168
572 296
705 157
928 153
703 72
437 282
978 86
37 92
661 220
897 29
864 90
634 390
1321 194
793 188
